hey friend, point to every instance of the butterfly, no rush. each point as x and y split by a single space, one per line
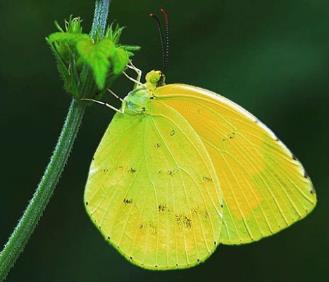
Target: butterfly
181 170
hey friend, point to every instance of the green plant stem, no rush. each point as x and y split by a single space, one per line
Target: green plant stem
99 22
46 187
41 197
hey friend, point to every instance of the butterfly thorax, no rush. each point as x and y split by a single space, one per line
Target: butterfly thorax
138 100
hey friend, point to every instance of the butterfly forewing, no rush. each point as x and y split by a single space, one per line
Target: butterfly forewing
153 192
265 187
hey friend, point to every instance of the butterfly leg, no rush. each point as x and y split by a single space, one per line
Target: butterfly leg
115 95
104 104
137 83
137 70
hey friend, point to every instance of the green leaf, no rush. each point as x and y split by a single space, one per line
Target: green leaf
73 25
79 56
120 59
131 48
67 37
114 32
97 55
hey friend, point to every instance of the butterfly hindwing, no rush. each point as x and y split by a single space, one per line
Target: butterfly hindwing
265 187
153 192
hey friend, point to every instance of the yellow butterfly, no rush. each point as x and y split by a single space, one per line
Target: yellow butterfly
181 170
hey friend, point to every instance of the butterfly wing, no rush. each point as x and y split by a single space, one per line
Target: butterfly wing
152 191
265 187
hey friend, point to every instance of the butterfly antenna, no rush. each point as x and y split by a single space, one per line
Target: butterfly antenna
158 23
166 37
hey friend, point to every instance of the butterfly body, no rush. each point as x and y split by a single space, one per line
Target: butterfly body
137 102
182 170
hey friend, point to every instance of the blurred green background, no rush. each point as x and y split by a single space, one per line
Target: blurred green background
271 57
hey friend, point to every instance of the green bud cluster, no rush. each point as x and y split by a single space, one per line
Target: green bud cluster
78 54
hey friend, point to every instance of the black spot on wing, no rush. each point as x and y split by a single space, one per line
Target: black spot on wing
184 221
172 172
127 201
148 227
207 179
132 170
162 208
229 136
305 174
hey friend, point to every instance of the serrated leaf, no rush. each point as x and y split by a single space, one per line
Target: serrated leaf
67 37
131 47
119 60
96 55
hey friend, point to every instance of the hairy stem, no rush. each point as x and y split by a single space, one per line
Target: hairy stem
37 205
100 16
46 187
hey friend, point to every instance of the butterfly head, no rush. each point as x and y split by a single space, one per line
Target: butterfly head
154 79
